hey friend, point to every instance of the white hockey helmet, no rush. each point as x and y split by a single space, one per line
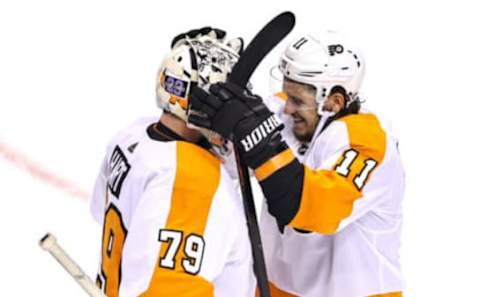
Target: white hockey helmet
199 61
324 62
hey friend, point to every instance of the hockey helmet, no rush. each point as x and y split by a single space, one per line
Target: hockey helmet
324 62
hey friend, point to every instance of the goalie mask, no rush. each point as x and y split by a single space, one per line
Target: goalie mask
200 61
324 62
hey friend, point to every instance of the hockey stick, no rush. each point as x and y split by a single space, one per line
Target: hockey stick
49 243
261 45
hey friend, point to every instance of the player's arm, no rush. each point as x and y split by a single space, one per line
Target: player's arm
314 200
98 199
299 196
327 198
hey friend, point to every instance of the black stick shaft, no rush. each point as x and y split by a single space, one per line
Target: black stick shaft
253 229
260 46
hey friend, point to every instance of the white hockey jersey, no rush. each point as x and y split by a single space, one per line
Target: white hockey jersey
354 185
173 222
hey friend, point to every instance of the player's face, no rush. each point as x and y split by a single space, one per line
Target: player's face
302 107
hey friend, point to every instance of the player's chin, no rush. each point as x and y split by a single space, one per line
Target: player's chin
299 126
302 131
299 131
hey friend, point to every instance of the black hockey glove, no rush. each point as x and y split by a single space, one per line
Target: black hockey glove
195 33
238 115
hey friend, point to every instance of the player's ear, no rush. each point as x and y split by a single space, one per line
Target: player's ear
236 44
337 101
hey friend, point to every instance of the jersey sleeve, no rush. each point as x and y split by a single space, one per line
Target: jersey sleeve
327 198
98 199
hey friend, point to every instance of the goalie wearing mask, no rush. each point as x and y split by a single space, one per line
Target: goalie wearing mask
173 224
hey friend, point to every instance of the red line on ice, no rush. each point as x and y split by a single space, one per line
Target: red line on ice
23 162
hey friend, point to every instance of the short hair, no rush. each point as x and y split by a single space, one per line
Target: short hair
341 90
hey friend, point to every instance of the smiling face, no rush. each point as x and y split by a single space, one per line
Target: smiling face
302 107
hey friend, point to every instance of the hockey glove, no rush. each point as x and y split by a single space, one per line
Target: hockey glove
238 115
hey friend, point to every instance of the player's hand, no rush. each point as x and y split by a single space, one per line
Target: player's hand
238 115
214 33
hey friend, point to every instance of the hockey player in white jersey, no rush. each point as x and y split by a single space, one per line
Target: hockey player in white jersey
333 180
173 224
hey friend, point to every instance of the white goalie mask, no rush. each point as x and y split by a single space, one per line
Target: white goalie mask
324 62
200 61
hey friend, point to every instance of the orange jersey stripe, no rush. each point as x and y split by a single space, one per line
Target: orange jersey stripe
368 139
196 181
327 198
112 247
366 135
278 161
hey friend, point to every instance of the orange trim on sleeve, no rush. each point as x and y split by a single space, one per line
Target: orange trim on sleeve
278 161
190 206
327 199
327 196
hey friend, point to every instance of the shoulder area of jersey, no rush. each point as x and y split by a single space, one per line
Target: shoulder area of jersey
369 118
186 154
197 168
362 132
135 128
364 119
